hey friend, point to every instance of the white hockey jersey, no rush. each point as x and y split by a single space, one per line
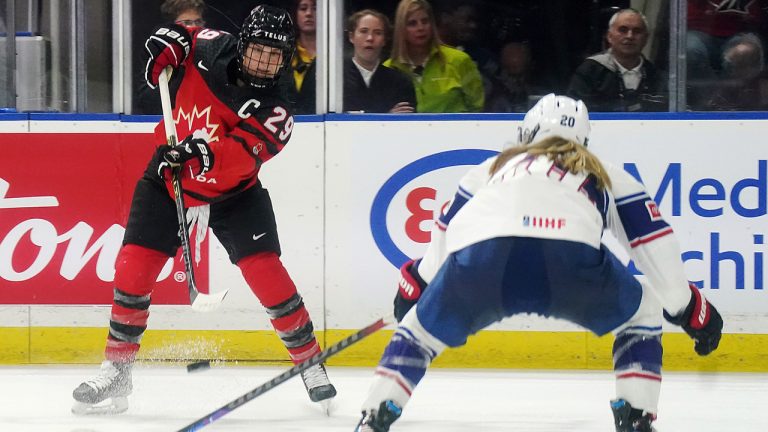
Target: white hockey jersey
530 196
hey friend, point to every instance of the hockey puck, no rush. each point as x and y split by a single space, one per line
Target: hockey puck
199 366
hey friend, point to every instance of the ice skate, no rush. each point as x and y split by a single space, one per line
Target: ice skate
630 419
319 388
106 393
379 420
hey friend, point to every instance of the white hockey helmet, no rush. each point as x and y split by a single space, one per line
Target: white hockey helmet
555 116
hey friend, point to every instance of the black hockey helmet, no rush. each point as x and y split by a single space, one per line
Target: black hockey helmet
270 26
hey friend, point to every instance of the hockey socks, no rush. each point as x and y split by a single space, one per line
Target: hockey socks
274 288
637 354
403 364
136 271
292 324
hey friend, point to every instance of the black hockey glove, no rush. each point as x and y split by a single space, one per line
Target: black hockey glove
409 288
168 46
194 146
701 321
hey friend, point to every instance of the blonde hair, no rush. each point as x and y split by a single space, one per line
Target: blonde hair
399 44
569 155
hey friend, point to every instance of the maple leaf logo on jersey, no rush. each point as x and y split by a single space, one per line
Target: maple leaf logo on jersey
735 6
186 123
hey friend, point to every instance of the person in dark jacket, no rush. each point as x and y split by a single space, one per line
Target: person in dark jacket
368 85
621 78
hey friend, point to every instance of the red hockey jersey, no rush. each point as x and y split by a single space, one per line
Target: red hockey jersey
247 126
725 18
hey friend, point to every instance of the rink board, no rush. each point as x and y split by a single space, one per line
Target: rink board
353 197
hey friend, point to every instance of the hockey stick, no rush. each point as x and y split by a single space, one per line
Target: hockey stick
198 300
285 376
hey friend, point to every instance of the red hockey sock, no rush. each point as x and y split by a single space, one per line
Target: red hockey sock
274 288
136 271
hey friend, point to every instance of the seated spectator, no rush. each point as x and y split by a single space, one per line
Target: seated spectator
303 61
513 89
188 13
621 78
743 80
711 24
368 85
446 80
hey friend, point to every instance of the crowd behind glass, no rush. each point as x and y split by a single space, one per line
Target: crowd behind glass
405 56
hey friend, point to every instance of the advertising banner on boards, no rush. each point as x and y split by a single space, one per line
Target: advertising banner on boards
64 201
391 178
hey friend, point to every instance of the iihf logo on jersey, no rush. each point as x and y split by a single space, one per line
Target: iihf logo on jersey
543 222
404 208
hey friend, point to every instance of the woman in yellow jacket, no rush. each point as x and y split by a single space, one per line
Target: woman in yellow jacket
446 80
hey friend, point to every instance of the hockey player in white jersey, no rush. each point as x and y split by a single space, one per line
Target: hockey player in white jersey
523 235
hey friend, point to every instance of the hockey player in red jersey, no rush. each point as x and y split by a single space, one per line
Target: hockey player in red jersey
523 235
229 82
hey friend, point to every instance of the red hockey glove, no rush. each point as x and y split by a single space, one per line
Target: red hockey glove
701 321
168 46
409 289
194 146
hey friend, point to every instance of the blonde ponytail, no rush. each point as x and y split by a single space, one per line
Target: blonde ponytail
568 154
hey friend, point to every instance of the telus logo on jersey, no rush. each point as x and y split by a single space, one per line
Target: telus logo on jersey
404 207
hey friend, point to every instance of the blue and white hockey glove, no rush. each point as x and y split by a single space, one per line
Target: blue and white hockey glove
409 288
701 321
194 146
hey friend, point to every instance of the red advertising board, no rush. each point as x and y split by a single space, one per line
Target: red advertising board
64 202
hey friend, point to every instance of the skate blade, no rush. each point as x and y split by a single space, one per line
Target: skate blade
327 406
111 406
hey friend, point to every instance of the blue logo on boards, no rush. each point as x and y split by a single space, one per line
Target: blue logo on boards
399 180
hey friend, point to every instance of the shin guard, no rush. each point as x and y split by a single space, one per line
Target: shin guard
136 271
274 288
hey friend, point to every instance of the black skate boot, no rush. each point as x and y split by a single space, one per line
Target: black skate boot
113 382
630 419
318 386
379 420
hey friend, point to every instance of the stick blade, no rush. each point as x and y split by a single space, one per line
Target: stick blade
208 302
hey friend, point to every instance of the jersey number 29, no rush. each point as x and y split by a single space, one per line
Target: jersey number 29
278 115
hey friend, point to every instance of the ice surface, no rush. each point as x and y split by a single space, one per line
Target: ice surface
166 398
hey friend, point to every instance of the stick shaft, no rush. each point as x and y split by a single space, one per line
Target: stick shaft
285 376
172 140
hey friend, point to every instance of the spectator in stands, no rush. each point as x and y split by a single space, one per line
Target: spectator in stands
188 13
711 26
743 83
621 78
513 89
446 79
458 27
303 62
368 85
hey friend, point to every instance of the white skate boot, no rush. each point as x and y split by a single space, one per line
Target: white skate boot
319 387
113 382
